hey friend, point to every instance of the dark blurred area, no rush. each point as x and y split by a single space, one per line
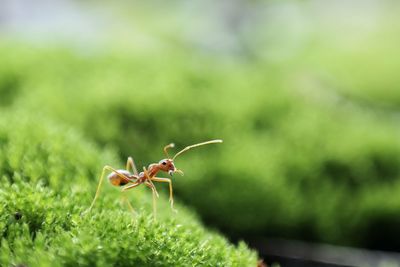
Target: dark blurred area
305 94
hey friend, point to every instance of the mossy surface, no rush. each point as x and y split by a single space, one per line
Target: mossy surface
299 159
49 175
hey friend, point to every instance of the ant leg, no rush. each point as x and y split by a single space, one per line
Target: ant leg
125 198
171 195
148 179
129 204
150 184
131 163
98 189
106 168
154 198
130 186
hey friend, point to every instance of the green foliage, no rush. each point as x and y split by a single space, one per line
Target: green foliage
49 174
297 161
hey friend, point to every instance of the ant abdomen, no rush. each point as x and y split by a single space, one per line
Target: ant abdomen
117 180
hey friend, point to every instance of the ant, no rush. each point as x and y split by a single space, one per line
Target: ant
128 180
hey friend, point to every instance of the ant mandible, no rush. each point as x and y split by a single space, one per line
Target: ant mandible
147 176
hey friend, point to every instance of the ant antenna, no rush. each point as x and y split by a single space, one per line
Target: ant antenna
196 145
166 148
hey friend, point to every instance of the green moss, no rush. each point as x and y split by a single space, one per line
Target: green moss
293 156
49 175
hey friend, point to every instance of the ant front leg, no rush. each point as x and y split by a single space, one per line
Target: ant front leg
171 195
131 163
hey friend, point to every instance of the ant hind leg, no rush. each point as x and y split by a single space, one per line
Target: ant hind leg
106 168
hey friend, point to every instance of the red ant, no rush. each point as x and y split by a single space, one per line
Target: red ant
129 180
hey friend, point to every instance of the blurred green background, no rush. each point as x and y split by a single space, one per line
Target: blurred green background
305 95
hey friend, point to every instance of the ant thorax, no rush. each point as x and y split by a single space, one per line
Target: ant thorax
153 169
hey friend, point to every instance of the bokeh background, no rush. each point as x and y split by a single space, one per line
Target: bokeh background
305 95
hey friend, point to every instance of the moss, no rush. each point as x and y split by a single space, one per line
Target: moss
290 160
49 175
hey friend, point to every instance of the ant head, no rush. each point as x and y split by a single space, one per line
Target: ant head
167 164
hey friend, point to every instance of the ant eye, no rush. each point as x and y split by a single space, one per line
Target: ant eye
164 163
